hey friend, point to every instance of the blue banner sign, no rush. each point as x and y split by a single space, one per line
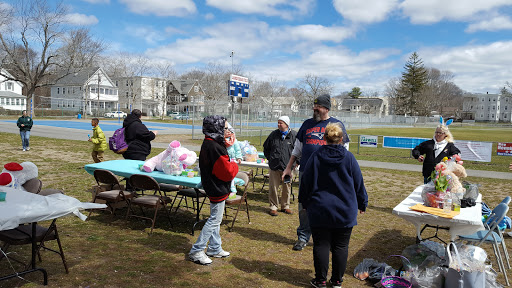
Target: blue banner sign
401 142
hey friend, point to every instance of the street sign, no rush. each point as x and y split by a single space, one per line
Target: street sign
238 86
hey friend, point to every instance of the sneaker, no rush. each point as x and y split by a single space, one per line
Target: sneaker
221 254
28 148
272 212
299 245
318 284
24 150
335 284
199 258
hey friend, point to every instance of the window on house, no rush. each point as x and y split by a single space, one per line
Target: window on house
493 107
117 83
126 82
126 94
2 101
196 89
10 86
58 90
131 82
494 100
63 90
102 91
17 101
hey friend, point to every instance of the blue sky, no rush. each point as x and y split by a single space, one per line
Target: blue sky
350 42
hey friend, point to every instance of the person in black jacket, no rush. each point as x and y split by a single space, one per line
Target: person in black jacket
277 149
217 171
137 136
25 124
435 150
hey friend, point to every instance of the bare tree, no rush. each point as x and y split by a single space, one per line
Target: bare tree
37 49
312 86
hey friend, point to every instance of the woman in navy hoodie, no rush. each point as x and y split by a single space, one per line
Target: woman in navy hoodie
332 191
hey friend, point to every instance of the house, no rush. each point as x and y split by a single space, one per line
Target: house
185 96
89 89
487 107
148 94
367 105
11 97
273 108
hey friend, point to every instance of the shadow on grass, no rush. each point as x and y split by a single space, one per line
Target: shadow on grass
273 271
260 235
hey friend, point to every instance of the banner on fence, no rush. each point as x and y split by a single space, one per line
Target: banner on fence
474 151
401 142
504 149
368 141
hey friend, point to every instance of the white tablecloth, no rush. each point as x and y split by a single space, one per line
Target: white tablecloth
22 207
467 222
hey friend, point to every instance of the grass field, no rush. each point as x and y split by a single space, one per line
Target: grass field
109 251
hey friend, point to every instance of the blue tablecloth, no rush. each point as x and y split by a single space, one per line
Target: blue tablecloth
127 168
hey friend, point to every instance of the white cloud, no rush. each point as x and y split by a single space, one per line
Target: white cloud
209 16
97 1
81 19
494 24
286 9
477 68
426 12
369 11
172 31
148 34
161 7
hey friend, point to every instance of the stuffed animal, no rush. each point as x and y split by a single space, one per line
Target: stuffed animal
453 172
175 158
15 175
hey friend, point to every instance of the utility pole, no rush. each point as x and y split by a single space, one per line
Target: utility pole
232 97
98 91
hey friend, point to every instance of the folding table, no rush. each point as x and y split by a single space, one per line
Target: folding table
22 207
468 221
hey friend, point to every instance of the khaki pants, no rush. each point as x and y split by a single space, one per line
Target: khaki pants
97 156
273 187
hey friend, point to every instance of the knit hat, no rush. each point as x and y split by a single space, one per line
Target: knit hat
285 119
324 100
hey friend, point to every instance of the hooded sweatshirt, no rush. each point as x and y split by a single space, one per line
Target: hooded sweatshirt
332 190
216 169
137 136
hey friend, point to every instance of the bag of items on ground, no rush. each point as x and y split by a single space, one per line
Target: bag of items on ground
428 265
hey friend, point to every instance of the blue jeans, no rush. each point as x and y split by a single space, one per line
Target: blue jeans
210 234
303 231
25 136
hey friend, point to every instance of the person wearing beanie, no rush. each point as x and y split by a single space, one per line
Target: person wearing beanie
309 139
278 149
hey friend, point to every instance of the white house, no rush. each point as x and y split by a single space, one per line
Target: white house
378 106
186 96
11 97
90 89
487 107
147 94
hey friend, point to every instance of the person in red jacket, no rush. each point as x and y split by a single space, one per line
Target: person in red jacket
217 172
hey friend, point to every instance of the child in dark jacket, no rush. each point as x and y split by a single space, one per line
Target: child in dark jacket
332 191
217 172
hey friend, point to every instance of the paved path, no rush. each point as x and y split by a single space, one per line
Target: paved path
79 129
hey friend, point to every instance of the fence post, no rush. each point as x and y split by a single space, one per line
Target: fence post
358 143
261 135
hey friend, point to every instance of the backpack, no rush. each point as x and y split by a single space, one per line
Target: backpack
117 143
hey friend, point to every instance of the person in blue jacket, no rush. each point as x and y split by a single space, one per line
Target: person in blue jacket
332 191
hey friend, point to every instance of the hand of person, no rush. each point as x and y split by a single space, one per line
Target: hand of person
421 158
286 171
155 132
89 140
22 125
361 212
239 160
510 167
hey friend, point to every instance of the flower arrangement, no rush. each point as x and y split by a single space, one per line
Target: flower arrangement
444 182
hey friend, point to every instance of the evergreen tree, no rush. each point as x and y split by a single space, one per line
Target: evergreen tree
414 78
355 93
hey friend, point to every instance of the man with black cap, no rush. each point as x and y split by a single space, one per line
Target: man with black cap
309 138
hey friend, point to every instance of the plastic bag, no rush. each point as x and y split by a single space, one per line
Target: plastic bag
426 278
490 278
472 190
371 269
431 197
421 256
171 164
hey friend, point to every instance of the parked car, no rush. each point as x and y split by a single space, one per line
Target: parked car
455 119
182 117
115 114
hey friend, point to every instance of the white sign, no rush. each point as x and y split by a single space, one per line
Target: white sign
474 151
368 141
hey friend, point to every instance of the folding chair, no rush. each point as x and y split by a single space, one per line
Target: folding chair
239 199
113 196
195 194
33 185
266 177
250 173
22 235
155 201
489 235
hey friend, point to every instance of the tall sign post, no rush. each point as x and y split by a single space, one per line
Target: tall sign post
239 87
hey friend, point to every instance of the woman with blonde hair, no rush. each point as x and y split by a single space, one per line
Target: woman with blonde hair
332 192
435 149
